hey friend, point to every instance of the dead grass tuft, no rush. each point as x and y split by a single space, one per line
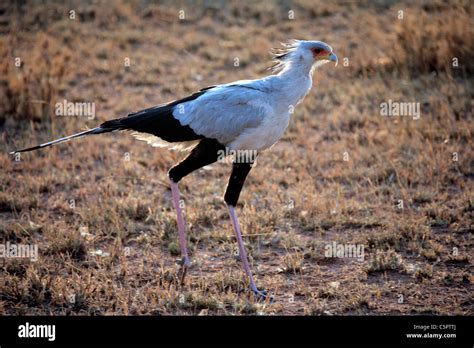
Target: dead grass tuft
434 41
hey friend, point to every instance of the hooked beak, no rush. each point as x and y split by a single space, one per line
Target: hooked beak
333 58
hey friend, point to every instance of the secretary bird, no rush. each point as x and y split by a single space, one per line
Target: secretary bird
247 115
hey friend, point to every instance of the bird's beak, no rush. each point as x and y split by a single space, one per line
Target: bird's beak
333 58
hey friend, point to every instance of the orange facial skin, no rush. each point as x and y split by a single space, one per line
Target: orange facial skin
319 52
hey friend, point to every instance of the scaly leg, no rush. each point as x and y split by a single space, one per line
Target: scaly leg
181 231
236 181
242 252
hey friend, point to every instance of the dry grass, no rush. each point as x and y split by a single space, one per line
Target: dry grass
113 250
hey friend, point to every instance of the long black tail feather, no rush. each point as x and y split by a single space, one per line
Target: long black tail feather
97 130
158 120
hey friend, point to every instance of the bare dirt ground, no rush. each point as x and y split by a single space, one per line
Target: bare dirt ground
99 209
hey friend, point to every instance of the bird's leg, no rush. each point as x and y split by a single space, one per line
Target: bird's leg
181 230
236 181
206 152
242 252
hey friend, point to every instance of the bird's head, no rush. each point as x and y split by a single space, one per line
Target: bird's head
320 51
308 53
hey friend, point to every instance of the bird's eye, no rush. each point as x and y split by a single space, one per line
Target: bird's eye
317 50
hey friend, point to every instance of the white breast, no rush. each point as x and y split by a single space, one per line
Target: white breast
284 99
263 136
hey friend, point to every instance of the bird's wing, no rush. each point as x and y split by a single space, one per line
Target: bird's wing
226 111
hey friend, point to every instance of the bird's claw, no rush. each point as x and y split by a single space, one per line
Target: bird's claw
262 295
185 264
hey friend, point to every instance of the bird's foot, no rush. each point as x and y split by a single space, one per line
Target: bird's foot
185 265
262 295
184 262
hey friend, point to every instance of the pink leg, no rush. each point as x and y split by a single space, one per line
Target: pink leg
243 254
181 228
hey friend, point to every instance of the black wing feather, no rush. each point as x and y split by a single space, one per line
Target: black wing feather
159 121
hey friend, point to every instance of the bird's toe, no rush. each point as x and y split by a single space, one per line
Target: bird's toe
262 295
184 262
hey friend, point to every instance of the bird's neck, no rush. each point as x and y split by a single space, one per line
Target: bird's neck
297 80
297 69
